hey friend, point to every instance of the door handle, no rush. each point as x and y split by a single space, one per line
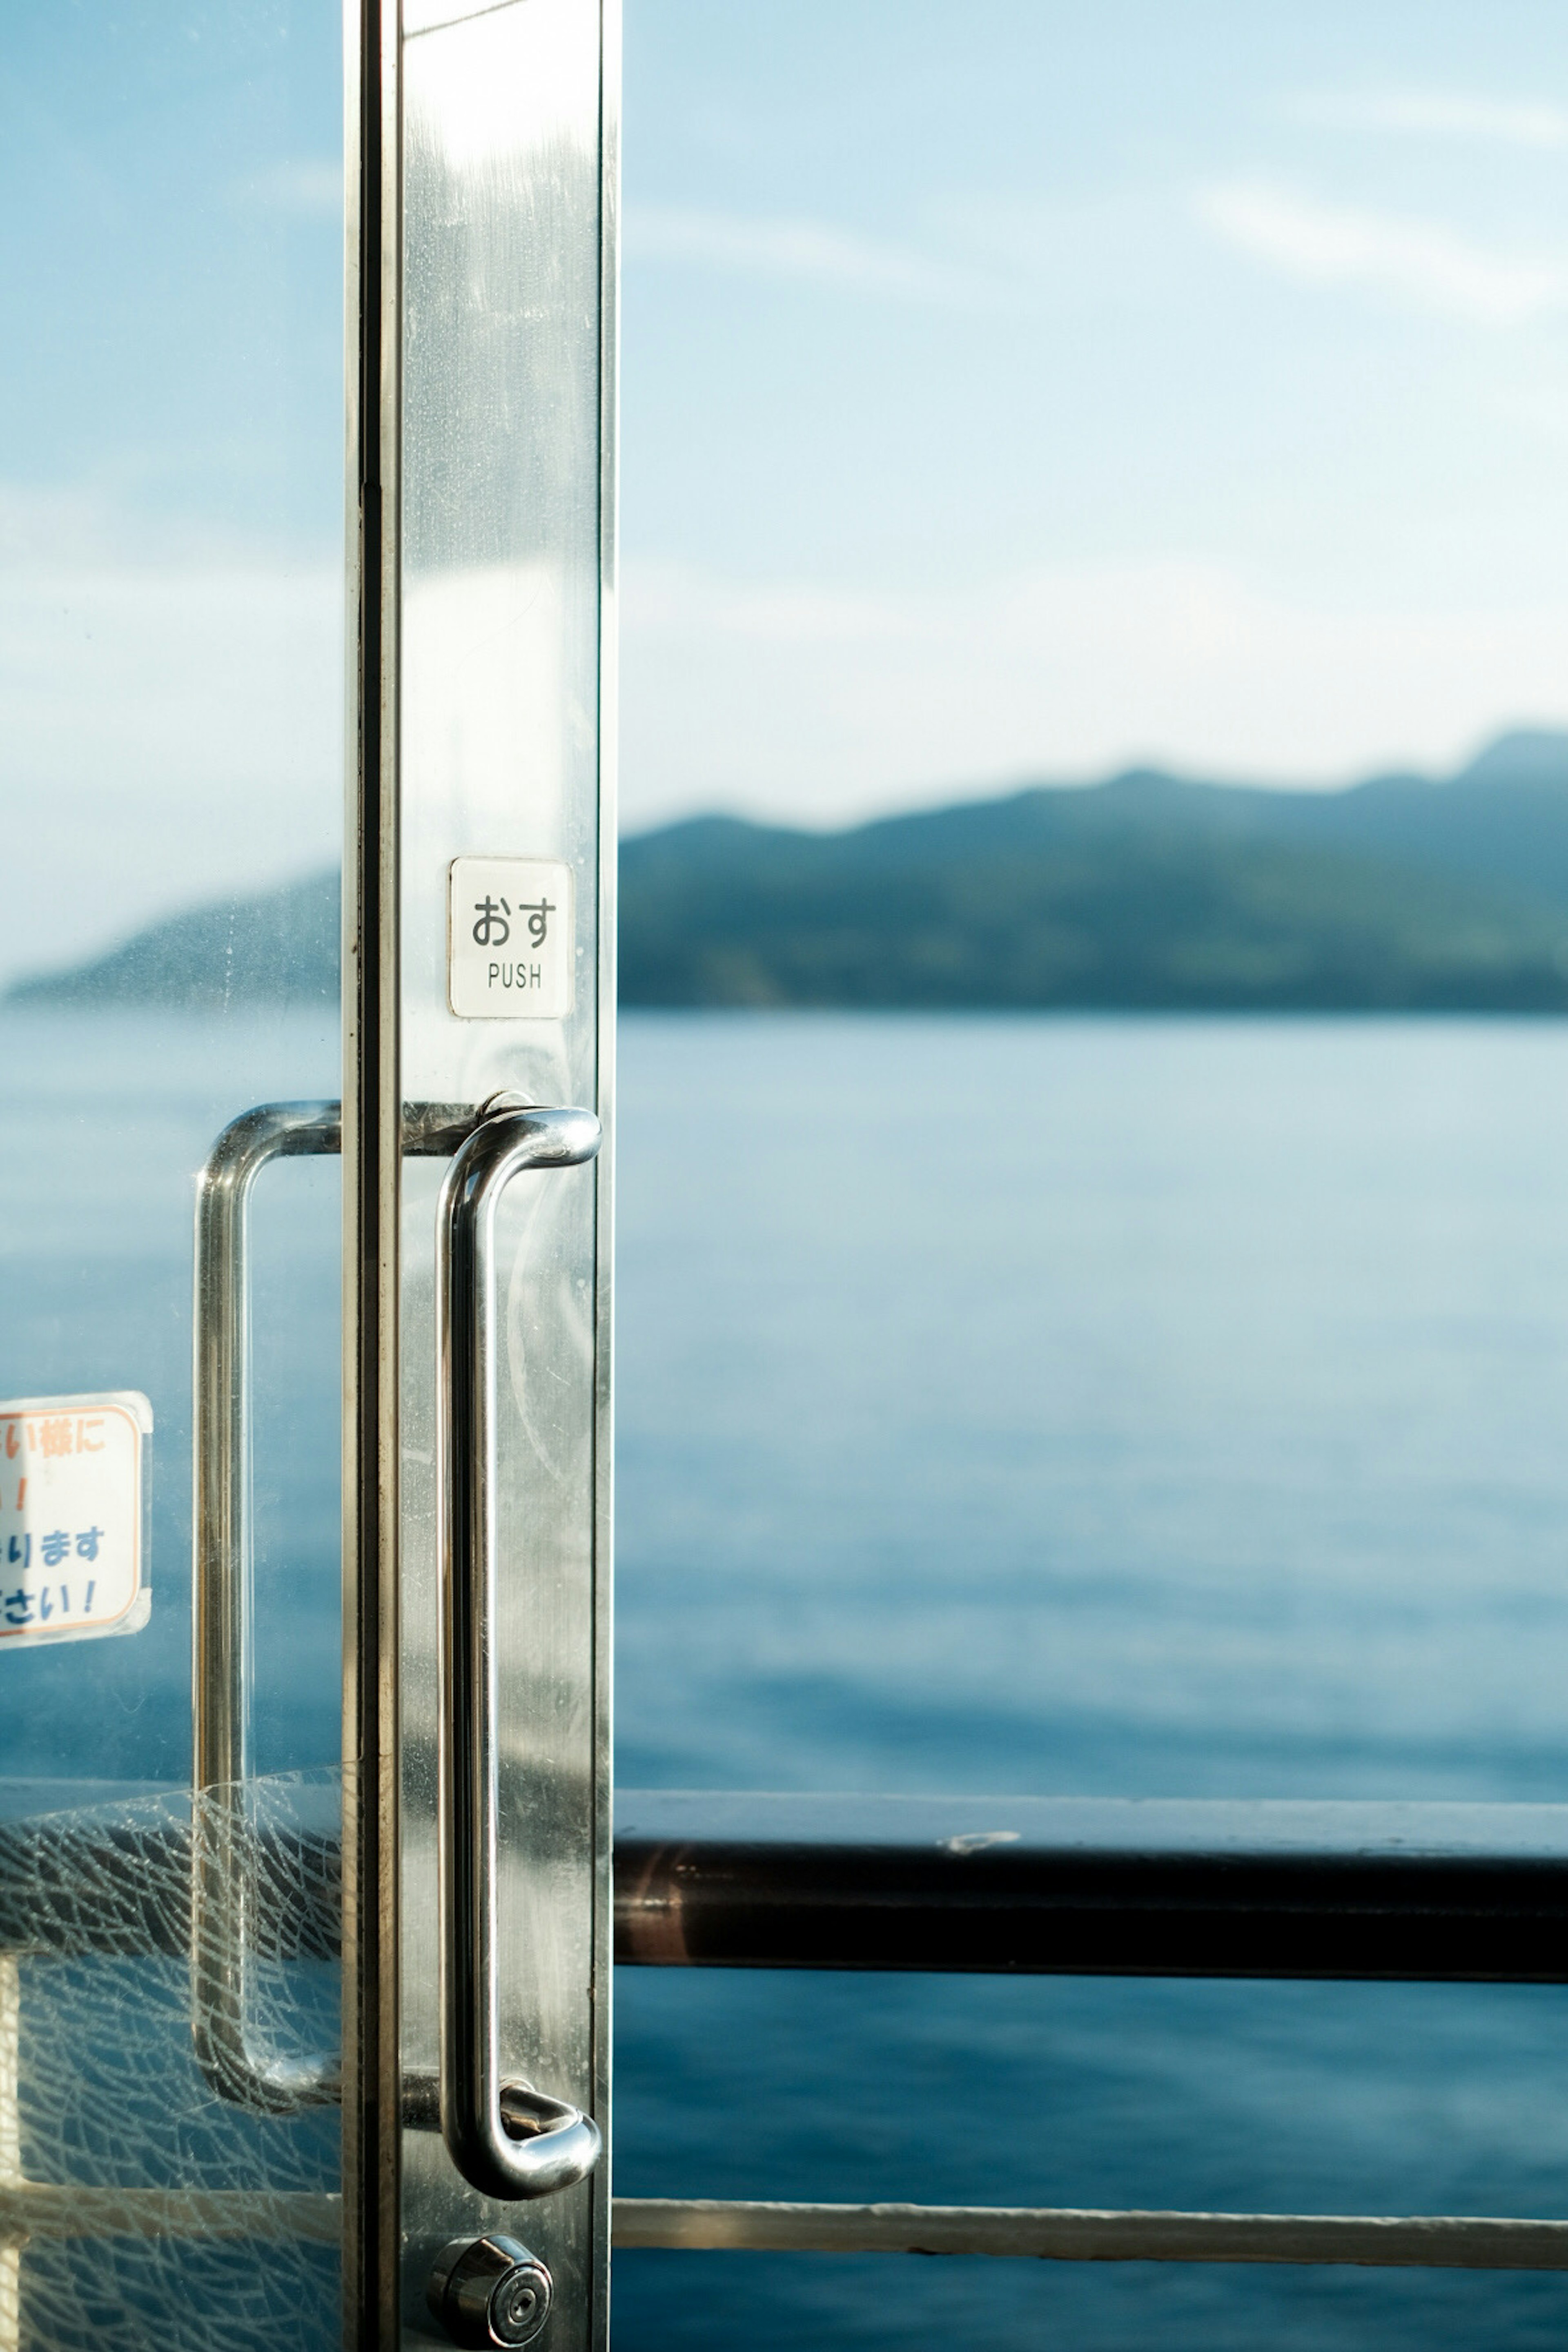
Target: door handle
222 1860
222 1863
507 2139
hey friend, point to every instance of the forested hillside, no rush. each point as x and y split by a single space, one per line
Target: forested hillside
1146 892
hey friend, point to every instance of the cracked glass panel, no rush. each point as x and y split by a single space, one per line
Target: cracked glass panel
139 2206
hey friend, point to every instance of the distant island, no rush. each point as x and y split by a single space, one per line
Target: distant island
1147 892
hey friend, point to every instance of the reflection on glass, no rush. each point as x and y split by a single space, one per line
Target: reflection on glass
170 689
170 595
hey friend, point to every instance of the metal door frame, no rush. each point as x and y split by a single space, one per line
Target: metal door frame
375 37
372 2076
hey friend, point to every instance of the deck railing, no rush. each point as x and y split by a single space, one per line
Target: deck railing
1417 1893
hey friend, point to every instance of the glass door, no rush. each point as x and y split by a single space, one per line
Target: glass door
303 1486
171 672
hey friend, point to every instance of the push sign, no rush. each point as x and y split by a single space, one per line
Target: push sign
73 1517
511 942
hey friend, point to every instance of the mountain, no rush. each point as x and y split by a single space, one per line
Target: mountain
278 949
1148 891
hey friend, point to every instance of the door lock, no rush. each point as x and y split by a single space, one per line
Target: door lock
489 2291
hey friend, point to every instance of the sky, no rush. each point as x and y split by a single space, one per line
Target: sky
1015 392
1029 390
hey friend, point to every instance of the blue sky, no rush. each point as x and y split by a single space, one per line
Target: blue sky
1027 388
1009 392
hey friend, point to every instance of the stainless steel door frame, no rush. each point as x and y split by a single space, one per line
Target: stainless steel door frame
372 1153
482 444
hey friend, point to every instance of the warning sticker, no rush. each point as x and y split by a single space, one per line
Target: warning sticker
74 1517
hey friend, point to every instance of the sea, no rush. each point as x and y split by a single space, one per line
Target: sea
1006 1405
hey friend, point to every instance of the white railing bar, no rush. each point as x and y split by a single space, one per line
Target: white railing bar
1428 2242
35 2208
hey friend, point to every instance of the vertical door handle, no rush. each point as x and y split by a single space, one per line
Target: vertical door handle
223 1862
507 2139
223 1853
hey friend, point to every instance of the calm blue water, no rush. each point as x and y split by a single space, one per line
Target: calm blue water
1055 1405
1154 1408
107 1121
1173 1408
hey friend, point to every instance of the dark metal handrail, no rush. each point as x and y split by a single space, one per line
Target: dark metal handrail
1030 1886
1094 1886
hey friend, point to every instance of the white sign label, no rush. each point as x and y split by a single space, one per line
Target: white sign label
511 942
73 1517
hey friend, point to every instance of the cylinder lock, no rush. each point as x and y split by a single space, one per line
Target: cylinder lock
489 2291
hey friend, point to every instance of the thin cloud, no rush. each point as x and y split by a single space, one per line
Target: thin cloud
1335 245
309 188
824 700
1434 114
171 727
811 252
